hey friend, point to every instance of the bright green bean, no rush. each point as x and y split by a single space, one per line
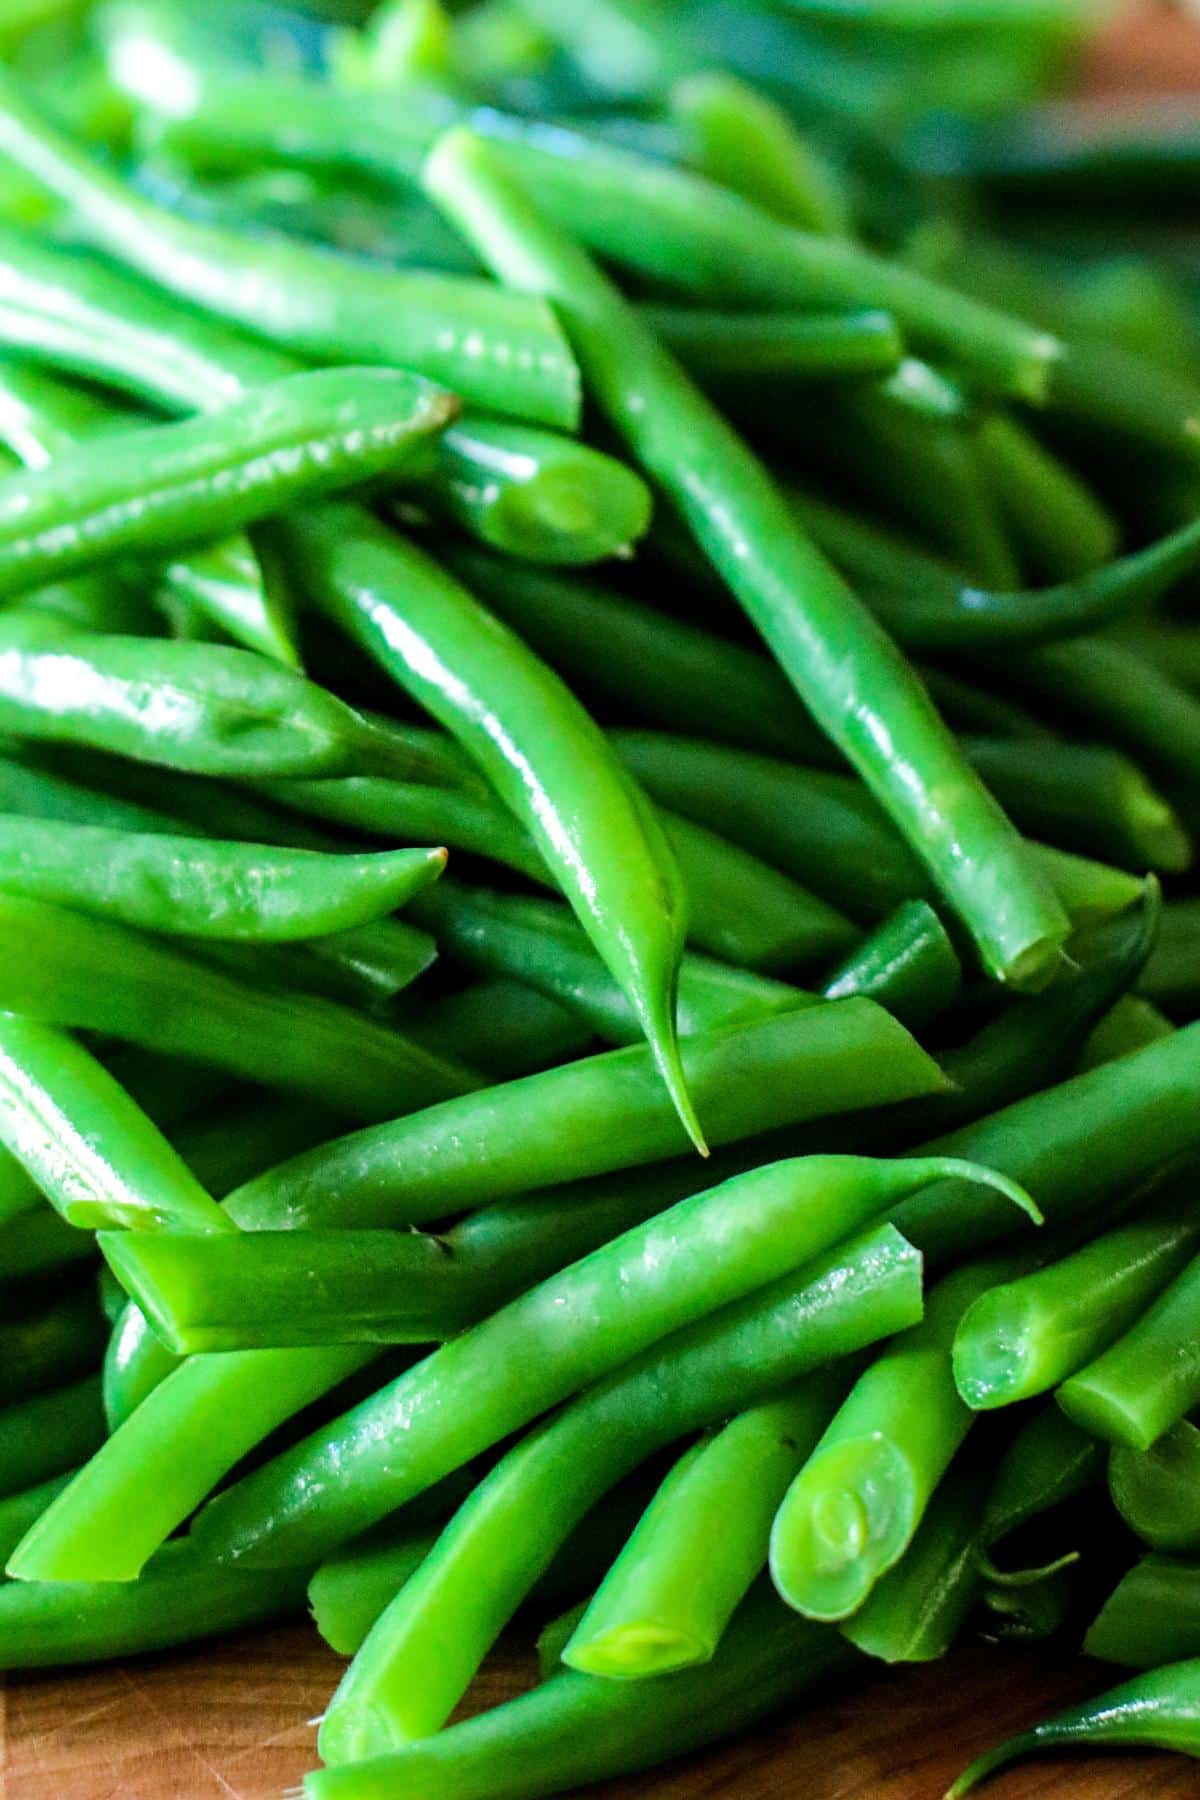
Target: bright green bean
743 140
859 689
1156 1491
395 1690
1150 1377
19 1511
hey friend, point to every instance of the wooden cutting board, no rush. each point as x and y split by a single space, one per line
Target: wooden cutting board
231 1722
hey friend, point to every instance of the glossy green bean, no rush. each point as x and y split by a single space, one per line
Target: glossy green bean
859 689
1160 1710
1155 1490
55 1343
827 829
574 1729
19 1511
537 496
394 1691
1025 1337
64 969
86 1144
907 963
701 1543
537 941
609 1112
1151 1617
178 1599
306 435
537 746
854 1507
496 350
196 888
734 352
916 1611
225 585
48 1434
1147 1380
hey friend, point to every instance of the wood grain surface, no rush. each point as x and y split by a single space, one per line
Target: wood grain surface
233 1720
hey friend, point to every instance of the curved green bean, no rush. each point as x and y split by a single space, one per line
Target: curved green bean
609 1111
64 969
517 1516
702 1541
1156 1491
859 689
1150 1377
1024 1337
497 350
199 888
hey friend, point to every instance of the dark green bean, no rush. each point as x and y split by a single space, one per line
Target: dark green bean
907 963
44 1348
860 690
1152 1617
65 969
1150 1377
51 1432
1160 1711
1058 522
497 350
1156 1491
38 1244
1171 977
502 1027
1048 1462
733 351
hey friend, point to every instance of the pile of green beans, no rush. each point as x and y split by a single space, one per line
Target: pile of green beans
599 949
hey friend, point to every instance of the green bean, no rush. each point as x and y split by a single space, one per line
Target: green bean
743 140
734 352
305 435
667 1599
533 495
89 1147
1094 1138
44 1348
194 887
223 582
691 234
537 941
860 691
1130 1025
1151 1617
48 1434
173 1450
574 1729
1049 1461
1146 1381
19 1511
1155 1490
539 749
231 711
496 350
609 1112
65 969
179 1598
853 1509
394 1691
907 963
916 1611
1160 1710
38 1244
827 829
1027 1336
1170 977
1058 522
502 1027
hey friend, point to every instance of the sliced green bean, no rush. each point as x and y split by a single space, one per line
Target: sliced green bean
1152 1617
1024 1337
916 1611
178 1599
540 750
48 1434
859 689
1149 1378
1160 1711
852 1511
499 351
701 1543
197 888
1156 1491
62 968
575 1729
609 1111
44 1348
87 1145
536 496
305 435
